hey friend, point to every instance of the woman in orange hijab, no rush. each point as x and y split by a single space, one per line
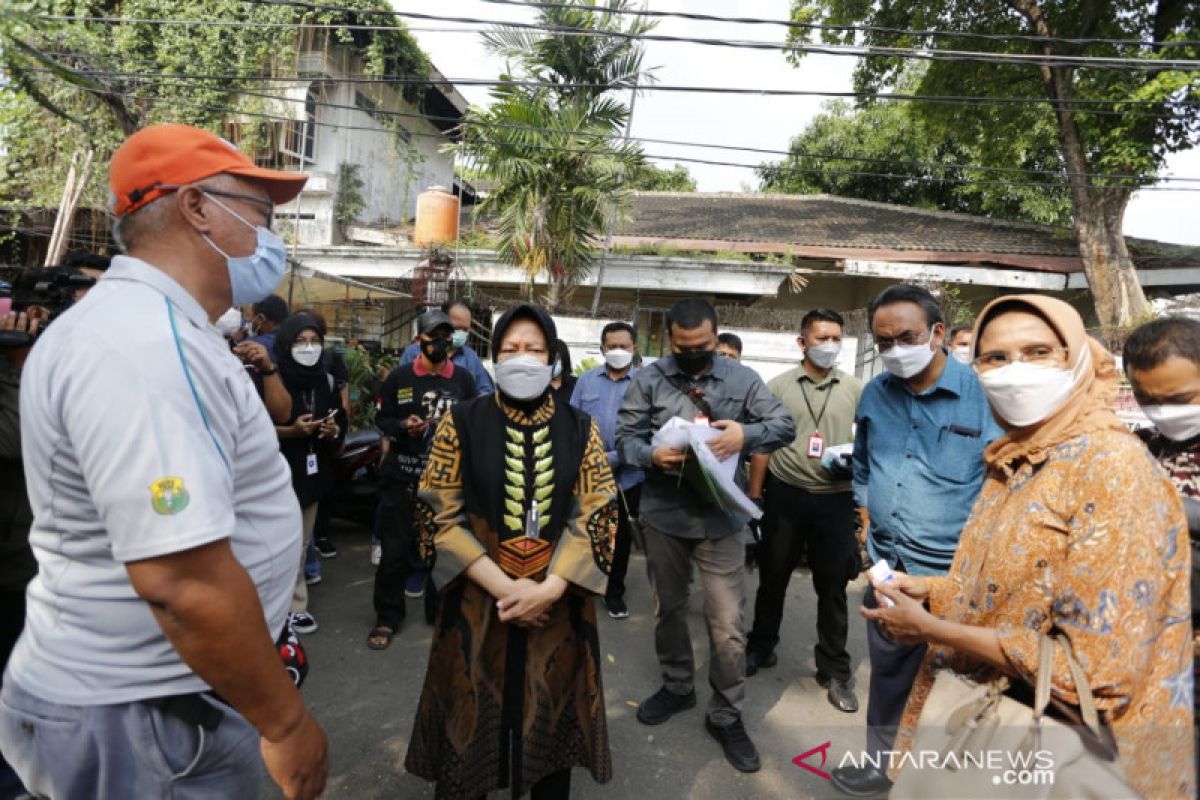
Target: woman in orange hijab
1077 531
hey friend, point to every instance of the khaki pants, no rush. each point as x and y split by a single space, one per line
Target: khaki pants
300 593
721 564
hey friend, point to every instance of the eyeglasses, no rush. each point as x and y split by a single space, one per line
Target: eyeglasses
1040 354
266 205
908 338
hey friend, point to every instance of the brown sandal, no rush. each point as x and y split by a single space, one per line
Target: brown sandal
383 632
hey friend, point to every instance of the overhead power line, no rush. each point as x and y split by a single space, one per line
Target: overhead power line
816 26
654 157
1083 106
461 122
857 51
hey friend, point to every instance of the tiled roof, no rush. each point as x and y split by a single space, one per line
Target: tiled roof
839 222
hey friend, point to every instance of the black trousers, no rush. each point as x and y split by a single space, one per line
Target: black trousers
395 526
894 668
823 524
627 509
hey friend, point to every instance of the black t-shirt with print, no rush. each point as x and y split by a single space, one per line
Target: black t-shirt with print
429 397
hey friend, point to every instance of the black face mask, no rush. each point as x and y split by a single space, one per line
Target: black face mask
436 350
694 362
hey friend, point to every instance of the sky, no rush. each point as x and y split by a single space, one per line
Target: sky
742 120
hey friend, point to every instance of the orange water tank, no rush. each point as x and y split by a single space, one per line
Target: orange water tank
437 217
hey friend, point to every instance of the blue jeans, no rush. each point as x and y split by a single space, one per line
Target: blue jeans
128 750
312 561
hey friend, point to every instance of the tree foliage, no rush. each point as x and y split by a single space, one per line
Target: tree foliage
884 152
88 84
555 151
1154 116
649 178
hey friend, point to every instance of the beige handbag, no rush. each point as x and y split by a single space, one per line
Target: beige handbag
974 741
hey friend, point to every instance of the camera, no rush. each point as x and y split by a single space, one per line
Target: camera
51 288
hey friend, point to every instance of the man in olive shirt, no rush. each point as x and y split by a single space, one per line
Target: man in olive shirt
808 506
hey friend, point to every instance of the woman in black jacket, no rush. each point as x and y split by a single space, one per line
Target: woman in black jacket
312 435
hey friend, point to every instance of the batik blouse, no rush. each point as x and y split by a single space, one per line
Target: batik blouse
1087 537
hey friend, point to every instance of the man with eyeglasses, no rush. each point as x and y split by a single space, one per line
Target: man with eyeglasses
922 426
165 527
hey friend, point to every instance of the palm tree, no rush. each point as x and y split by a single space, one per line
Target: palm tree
554 150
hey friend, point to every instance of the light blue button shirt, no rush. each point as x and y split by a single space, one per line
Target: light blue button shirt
598 394
918 465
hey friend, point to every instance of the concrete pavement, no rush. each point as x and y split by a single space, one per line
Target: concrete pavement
366 700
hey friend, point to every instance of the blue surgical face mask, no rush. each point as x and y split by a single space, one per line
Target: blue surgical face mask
255 276
458 340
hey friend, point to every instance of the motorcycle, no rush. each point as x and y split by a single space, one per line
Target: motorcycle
355 491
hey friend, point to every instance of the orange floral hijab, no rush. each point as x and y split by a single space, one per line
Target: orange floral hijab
1089 407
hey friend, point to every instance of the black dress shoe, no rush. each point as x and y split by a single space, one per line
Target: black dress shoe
739 750
841 696
664 705
860 781
759 659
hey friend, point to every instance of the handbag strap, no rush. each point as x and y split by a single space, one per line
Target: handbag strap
1083 690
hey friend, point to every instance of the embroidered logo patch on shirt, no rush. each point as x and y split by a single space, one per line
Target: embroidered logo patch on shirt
168 496
404 394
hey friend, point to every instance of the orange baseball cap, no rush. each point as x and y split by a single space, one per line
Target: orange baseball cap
157 160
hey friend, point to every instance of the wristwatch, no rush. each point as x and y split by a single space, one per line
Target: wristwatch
265 372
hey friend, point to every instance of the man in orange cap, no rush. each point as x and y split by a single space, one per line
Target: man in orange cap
165 527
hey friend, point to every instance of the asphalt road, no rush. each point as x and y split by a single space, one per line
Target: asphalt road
366 700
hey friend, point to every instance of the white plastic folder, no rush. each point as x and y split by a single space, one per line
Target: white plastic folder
716 478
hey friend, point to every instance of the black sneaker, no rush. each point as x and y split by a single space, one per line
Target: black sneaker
739 750
664 705
616 607
860 781
325 548
757 659
304 622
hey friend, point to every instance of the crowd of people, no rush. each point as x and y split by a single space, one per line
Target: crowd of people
154 571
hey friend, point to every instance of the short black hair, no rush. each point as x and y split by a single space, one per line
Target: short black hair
273 307
731 340
617 327
1155 342
449 304
957 329
690 313
562 354
821 315
907 293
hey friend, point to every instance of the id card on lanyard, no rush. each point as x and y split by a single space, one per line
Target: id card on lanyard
310 464
816 442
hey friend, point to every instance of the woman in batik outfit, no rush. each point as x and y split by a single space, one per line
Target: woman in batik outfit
519 518
1076 530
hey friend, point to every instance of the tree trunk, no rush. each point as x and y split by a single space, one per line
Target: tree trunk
1112 277
1099 210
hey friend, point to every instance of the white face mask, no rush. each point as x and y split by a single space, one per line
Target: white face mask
306 355
1024 394
906 360
523 377
618 359
229 323
823 356
962 354
1177 423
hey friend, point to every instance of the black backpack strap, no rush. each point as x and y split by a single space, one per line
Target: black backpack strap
688 390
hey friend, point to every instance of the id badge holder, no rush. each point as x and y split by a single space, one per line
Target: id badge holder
310 464
816 446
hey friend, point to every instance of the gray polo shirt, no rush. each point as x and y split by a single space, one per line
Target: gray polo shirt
834 400
733 392
142 436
